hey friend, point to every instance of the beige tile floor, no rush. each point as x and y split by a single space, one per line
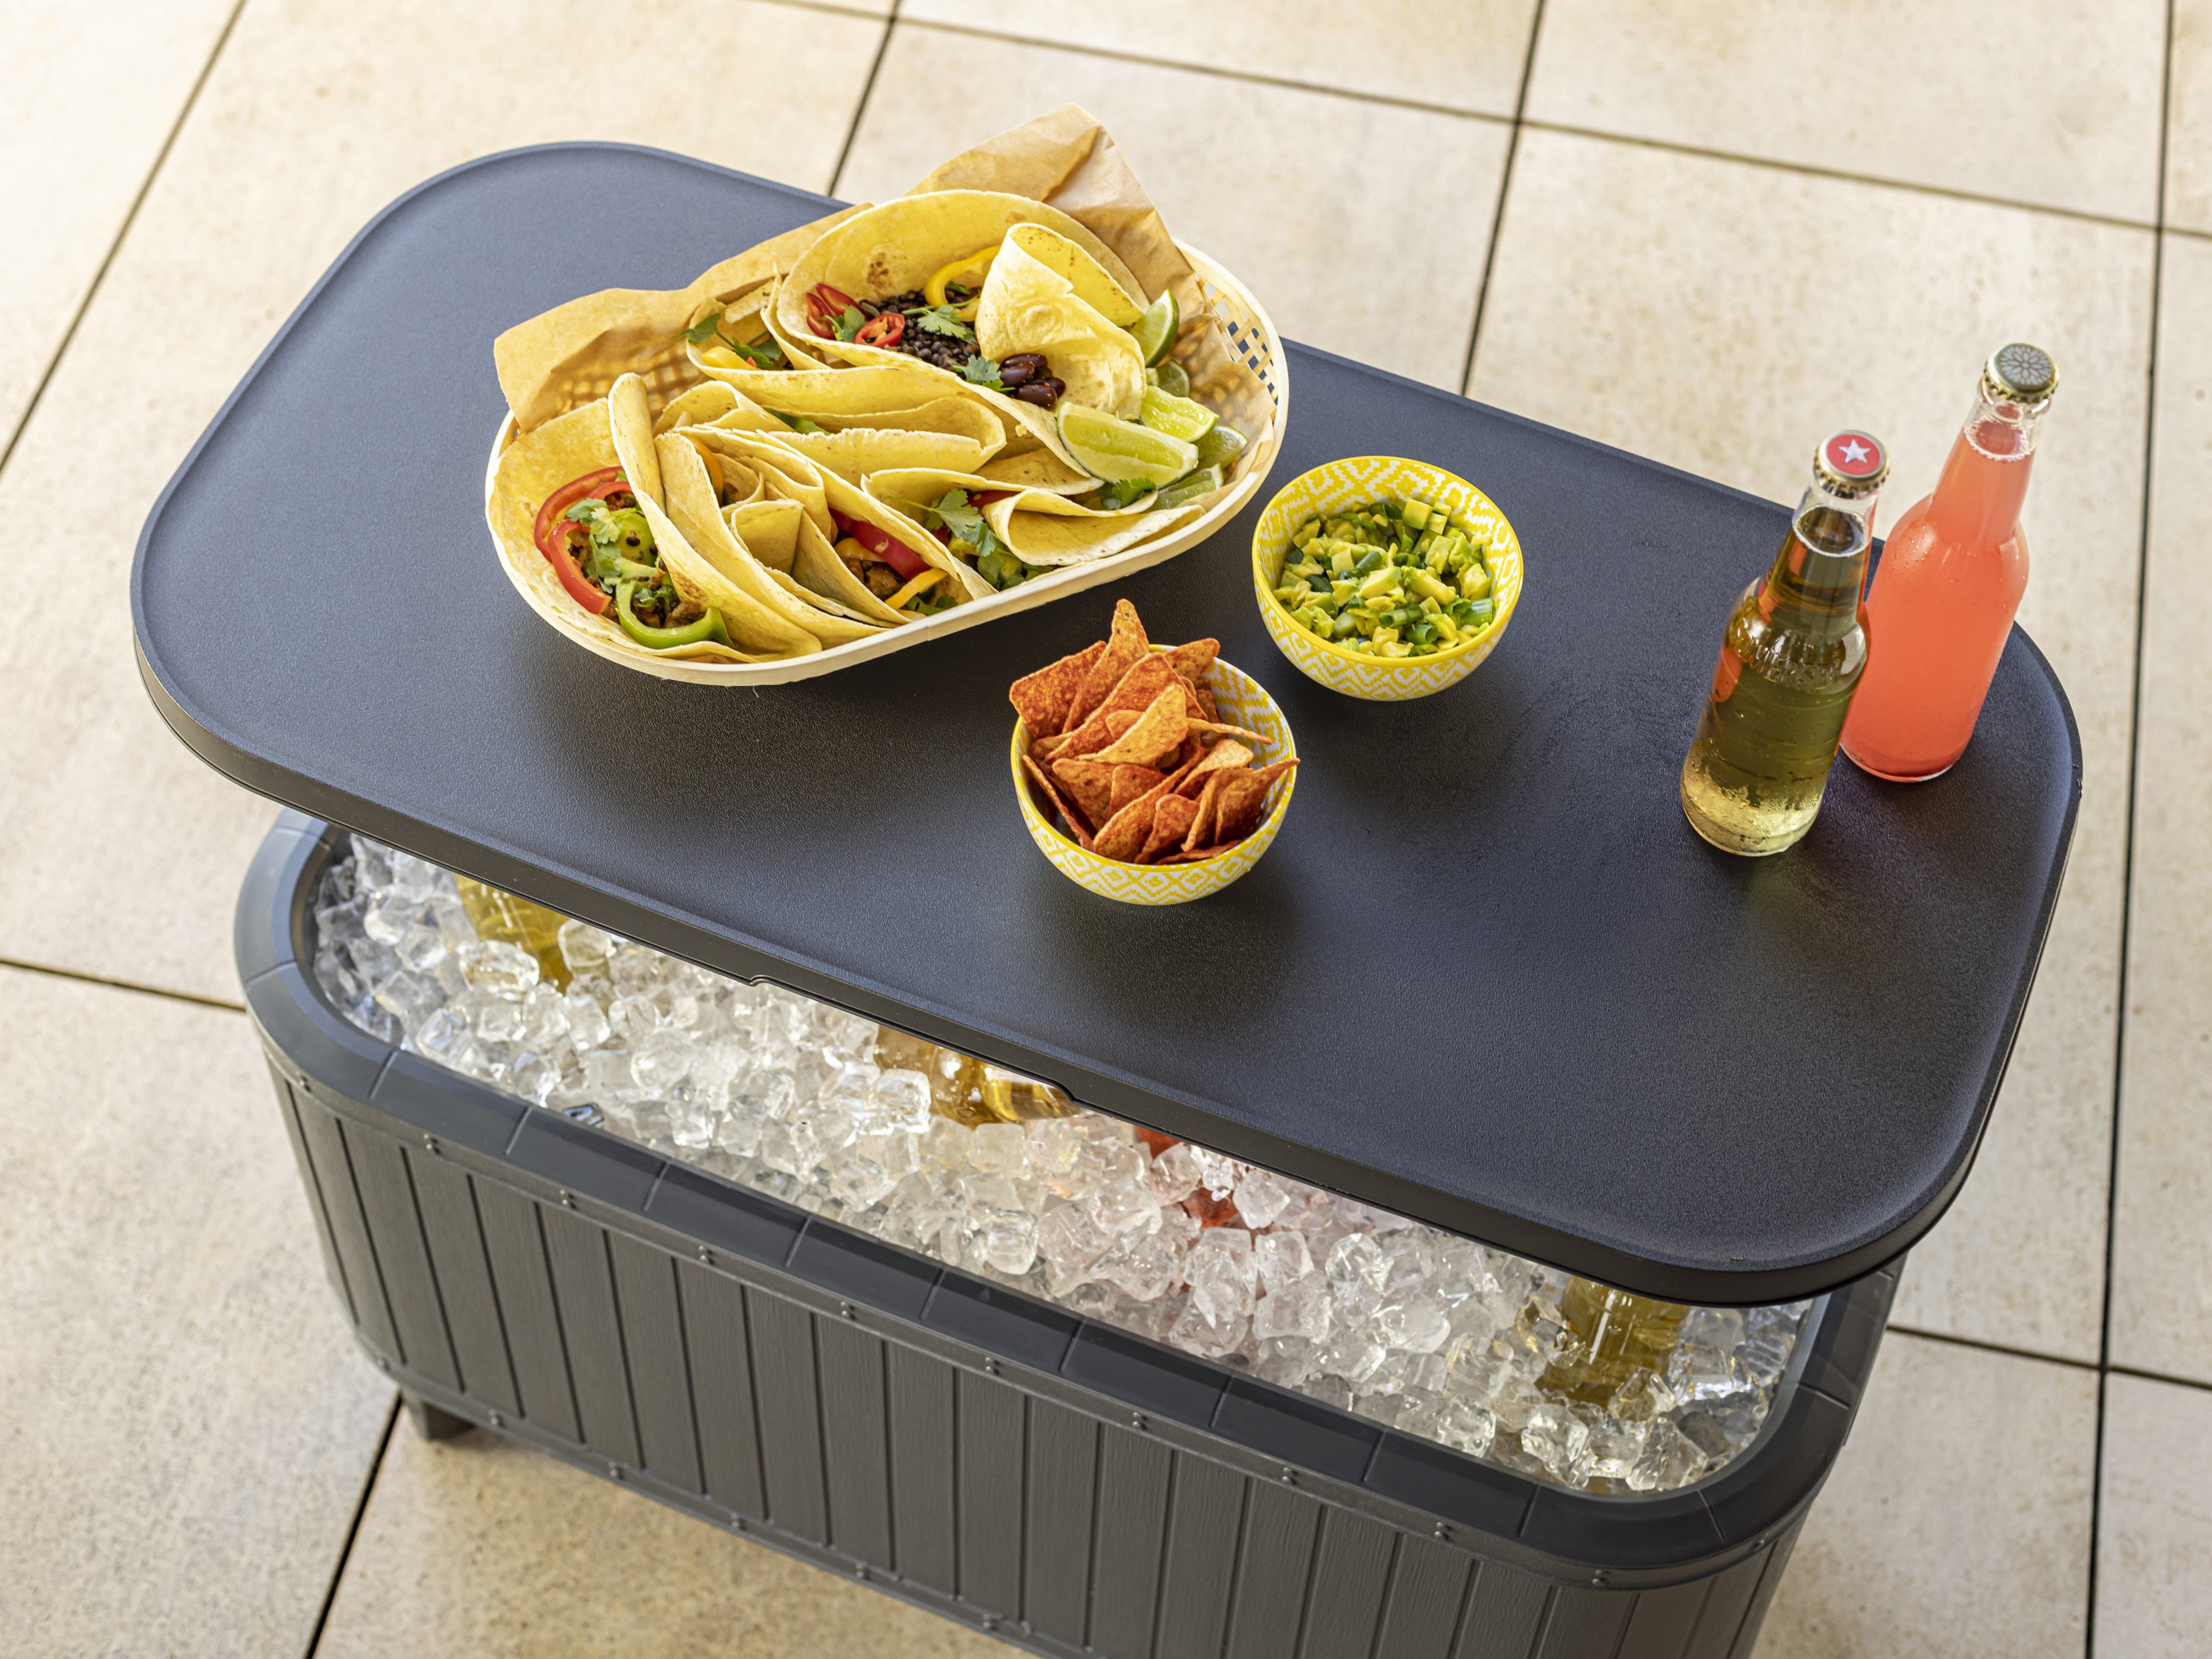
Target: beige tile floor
1705 231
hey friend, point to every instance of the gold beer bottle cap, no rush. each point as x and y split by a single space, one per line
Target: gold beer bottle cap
1851 464
2020 373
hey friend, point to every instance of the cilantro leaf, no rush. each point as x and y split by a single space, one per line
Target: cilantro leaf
943 319
983 371
850 324
705 329
767 354
951 510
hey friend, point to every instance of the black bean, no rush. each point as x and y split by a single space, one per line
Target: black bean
1043 393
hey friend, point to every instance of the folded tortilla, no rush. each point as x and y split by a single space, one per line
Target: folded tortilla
1028 305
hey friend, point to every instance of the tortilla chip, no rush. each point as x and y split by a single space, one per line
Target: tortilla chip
1244 802
1227 755
1125 646
1134 690
1171 822
1190 856
1157 734
1091 784
1203 694
1209 802
1129 782
1082 830
1220 731
1090 737
1043 699
1125 834
1194 661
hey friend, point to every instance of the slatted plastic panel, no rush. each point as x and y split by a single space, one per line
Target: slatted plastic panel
1077 1535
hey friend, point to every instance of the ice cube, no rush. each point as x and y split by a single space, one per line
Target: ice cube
1197 1332
1465 1425
1696 1371
1001 1148
1542 1330
607 1078
898 1101
1261 1197
1285 1361
1479 1366
1640 1398
1070 1242
1219 1269
1008 1237
584 947
859 1181
1123 1206
1357 1268
1217 1174
442 1035
633 1015
1298 1308
1353 1354
1559 1439
845 1034
372 864
1173 1175
587 1021
421 946
1410 1257
1282 1258
1615 1446
412 878
494 965
494 1018
1054 1145
1713 1328
660 1060
1416 1322
409 997
1669 1460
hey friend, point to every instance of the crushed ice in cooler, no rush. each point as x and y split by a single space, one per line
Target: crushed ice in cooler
1431 1334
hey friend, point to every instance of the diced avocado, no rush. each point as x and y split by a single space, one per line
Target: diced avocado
1416 514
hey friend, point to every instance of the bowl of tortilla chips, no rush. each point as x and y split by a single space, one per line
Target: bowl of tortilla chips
1150 773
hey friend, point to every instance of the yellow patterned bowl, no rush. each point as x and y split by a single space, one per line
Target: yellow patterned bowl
1354 482
1241 700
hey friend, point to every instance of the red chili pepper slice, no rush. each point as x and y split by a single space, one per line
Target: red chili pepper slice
823 303
887 330
551 535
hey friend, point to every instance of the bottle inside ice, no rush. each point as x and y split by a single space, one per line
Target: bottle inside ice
1792 653
1951 574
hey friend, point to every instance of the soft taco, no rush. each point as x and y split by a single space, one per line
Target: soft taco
575 533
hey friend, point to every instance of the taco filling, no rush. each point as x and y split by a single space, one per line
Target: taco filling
593 534
890 569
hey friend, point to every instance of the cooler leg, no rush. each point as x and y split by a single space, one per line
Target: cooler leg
432 1423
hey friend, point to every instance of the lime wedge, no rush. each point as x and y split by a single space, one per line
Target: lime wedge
1203 482
1156 328
1115 450
1179 417
1220 446
1169 376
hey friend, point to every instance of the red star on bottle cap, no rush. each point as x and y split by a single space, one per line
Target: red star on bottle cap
1854 455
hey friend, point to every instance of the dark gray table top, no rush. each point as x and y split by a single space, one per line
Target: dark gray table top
1486 976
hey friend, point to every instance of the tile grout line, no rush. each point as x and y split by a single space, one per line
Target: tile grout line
2128 843
82 978
1979 1346
1505 189
1287 83
1284 82
123 231
353 1529
1813 170
867 91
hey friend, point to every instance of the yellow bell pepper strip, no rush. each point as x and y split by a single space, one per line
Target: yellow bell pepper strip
914 589
969 271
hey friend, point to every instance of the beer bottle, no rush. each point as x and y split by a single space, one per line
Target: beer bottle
1794 649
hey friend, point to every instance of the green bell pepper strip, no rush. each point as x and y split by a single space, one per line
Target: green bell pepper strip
709 626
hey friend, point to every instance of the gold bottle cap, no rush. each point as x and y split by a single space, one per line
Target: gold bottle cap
1851 464
2020 373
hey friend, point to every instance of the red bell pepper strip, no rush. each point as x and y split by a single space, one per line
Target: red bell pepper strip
887 330
895 554
551 534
